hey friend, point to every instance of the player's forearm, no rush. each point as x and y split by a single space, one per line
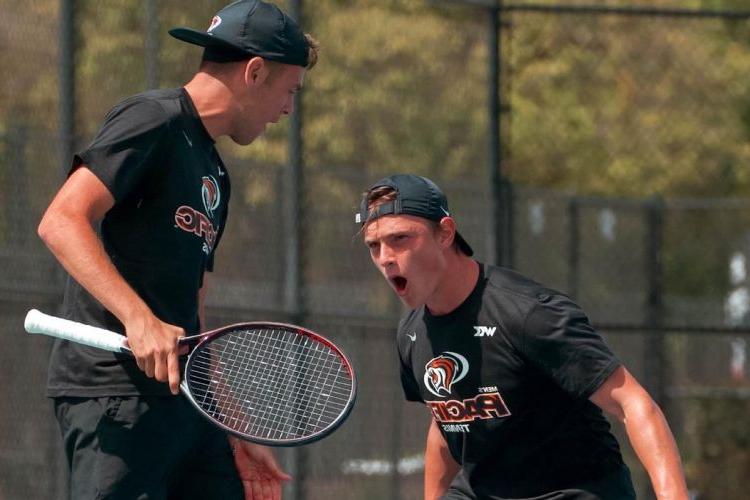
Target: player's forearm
439 466
655 446
76 246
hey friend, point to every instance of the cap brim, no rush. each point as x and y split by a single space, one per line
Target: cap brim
204 39
463 245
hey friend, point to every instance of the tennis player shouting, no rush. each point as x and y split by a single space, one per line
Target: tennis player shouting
136 225
514 375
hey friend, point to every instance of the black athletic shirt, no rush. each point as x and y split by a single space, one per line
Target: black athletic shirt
171 191
507 376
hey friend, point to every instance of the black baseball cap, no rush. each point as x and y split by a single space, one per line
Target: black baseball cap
415 195
250 28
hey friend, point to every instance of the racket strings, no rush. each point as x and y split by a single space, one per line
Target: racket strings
270 383
307 400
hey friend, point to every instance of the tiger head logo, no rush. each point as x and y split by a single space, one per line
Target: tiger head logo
211 195
444 371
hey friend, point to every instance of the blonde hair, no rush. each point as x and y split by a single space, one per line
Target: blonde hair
312 51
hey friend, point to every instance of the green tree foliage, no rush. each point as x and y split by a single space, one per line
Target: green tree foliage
598 104
632 106
29 88
28 107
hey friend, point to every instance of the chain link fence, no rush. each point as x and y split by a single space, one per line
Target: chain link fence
664 279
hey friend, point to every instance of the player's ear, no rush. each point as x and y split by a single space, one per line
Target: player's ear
256 71
446 232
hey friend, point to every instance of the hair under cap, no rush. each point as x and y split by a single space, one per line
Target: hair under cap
415 195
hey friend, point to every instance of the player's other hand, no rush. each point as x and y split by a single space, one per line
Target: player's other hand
259 471
154 345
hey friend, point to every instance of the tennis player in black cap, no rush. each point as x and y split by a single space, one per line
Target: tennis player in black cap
136 225
512 372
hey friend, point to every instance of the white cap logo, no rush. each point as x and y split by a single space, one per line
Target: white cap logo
214 23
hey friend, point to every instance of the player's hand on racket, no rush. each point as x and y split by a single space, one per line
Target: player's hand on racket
268 383
154 345
259 471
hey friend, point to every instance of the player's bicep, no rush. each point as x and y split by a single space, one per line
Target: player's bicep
619 391
83 194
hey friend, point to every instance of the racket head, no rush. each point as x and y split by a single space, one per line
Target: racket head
271 383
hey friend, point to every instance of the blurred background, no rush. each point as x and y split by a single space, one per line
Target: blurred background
600 147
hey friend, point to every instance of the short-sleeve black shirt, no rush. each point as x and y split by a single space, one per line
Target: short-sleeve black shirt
507 376
171 194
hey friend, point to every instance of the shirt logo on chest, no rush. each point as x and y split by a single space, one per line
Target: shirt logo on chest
211 195
193 221
440 374
444 371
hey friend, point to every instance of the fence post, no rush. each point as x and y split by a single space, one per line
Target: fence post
655 355
67 90
294 285
655 352
67 133
501 247
67 144
493 132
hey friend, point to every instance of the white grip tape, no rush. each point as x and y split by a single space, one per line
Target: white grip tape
38 322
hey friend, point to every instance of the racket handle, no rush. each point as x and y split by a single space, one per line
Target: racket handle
38 322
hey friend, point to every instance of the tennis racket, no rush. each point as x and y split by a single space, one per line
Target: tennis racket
270 383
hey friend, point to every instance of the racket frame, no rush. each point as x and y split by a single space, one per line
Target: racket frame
207 337
39 323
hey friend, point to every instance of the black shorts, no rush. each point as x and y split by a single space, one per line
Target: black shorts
453 494
147 447
616 485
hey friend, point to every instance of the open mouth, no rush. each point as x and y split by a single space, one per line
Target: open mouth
399 283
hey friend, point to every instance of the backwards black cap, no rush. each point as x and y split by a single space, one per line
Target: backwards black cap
415 195
250 28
